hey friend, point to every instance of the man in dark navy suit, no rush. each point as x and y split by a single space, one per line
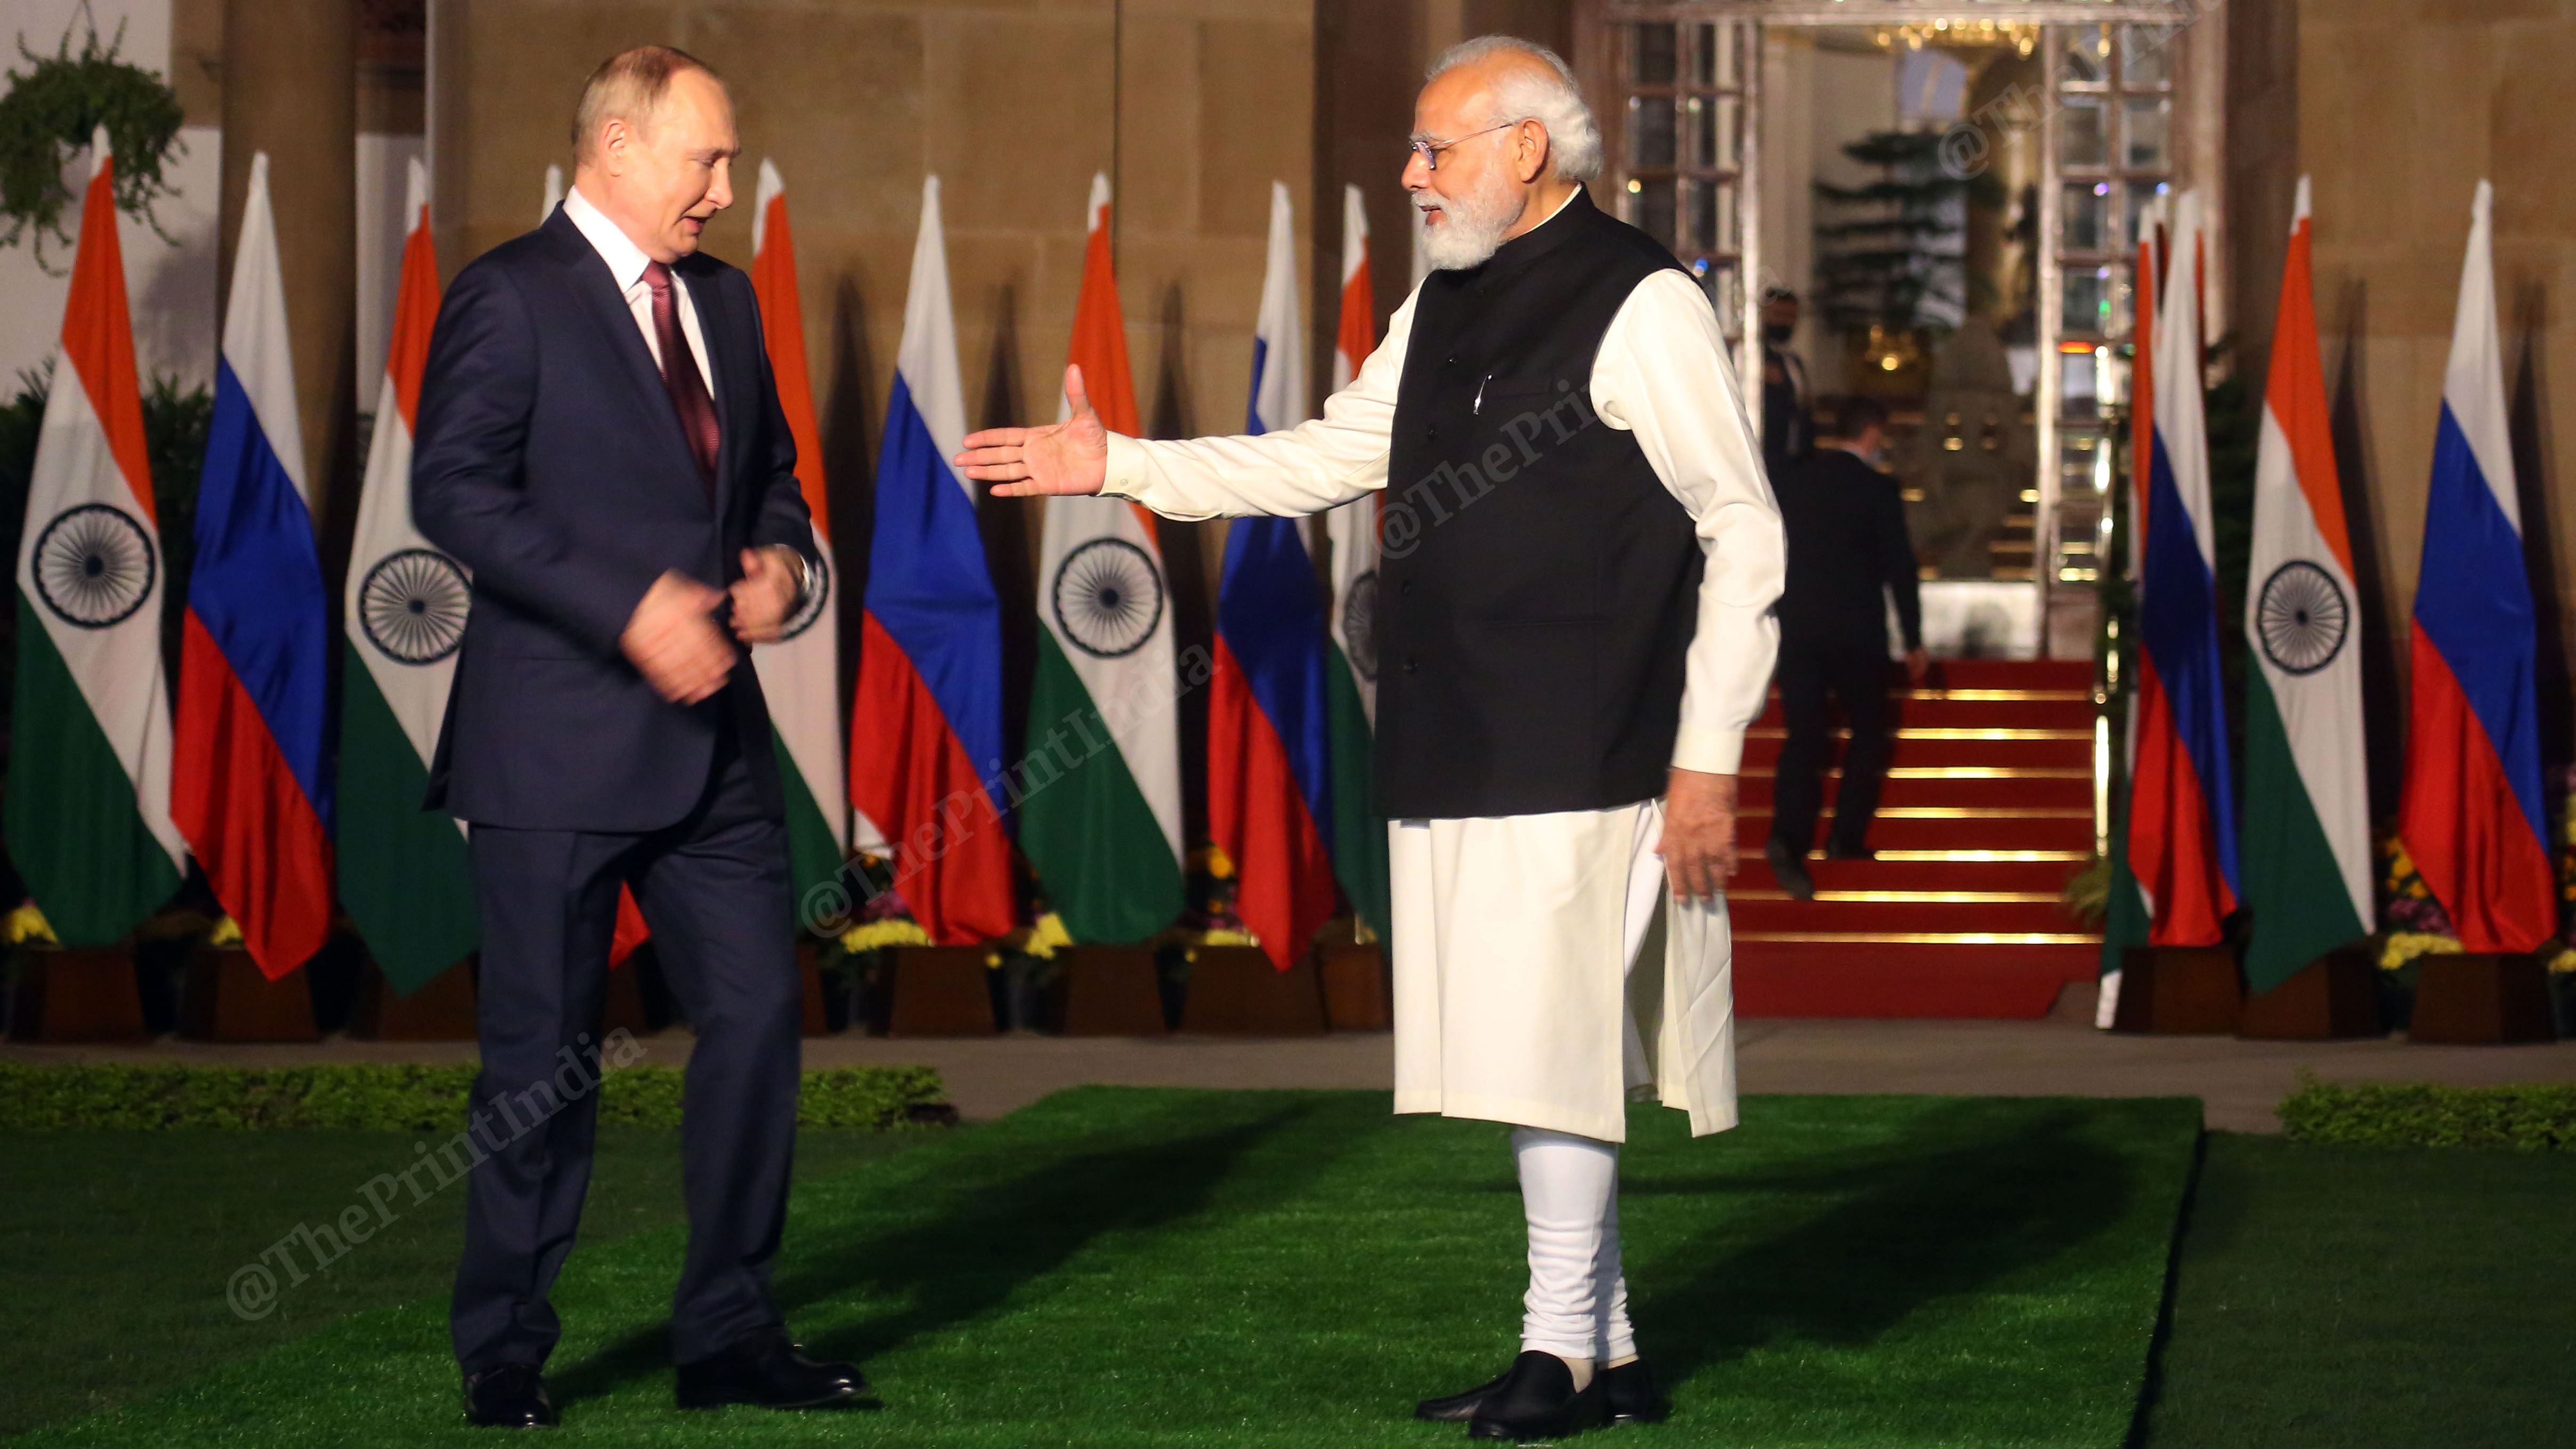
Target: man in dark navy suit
1849 561
600 442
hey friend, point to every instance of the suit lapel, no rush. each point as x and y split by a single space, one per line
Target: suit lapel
591 278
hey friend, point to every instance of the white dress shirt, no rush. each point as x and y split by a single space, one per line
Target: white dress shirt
1662 373
626 263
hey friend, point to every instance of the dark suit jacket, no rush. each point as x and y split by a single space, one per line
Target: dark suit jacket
1845 522
550 462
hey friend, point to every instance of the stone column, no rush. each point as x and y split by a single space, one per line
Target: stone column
290 89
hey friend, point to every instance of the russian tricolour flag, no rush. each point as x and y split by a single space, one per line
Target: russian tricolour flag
1269 787
926 728
2471 816
248 788
2182 832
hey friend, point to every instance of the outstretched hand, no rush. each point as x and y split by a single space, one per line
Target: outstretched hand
1070 457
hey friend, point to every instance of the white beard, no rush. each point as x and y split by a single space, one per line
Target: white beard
1471 226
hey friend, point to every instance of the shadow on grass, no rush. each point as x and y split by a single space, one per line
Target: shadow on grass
1923 1229
976 1247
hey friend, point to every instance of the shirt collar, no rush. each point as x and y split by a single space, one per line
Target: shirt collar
626 261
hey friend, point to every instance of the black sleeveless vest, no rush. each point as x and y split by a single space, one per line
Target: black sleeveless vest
1537 586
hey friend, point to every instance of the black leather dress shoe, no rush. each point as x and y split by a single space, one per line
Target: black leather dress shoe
1835 850
509 1396
1630 1390
773 1374
1537 1400
1788 868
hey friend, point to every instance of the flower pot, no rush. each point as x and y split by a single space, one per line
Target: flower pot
1109 991
2179 991
938 991
2333 998
2481 999
441 1009
1357 991
60 996
229 999
1236 991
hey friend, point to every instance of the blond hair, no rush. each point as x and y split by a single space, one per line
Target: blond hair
629 86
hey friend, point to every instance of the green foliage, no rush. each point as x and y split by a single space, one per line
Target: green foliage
22 418
2538 1118
2087 894
397 1098
1880 261
58 102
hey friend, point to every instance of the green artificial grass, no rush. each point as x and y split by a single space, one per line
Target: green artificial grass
2372 1298
1120 1267
2539 1117
405 1097
116 1246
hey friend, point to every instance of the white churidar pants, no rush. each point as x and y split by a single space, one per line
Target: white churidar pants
1515 999
1577 1306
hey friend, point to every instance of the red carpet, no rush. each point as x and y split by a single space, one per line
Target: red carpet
1987 811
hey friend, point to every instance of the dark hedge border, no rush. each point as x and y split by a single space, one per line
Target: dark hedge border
2536 1118
397 1098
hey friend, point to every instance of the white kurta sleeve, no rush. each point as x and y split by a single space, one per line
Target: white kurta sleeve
1663 373
1305 469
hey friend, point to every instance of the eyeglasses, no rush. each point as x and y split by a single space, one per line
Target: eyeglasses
1430 151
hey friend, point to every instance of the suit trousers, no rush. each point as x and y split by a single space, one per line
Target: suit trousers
1854 674
715 889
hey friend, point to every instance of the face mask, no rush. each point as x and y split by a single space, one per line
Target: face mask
1777 333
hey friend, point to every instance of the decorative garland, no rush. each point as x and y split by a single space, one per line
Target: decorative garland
58 103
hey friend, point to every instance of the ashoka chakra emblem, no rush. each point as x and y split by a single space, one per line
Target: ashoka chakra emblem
2302 618
1108 598
818 592
94 566
413 605
1359 624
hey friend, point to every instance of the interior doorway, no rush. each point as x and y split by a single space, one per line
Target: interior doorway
1932 205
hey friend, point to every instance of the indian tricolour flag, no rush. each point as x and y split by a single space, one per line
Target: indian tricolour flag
2306 861
801 673
1350 674
88 813
403 877
1100 818
403 612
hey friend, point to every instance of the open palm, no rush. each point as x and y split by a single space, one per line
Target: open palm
1070 457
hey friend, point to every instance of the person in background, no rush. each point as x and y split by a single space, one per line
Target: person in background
1788 434
1848 555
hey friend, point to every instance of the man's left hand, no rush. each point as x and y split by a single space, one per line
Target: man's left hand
765 594
1699 834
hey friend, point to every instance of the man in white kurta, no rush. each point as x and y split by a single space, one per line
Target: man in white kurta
1544 972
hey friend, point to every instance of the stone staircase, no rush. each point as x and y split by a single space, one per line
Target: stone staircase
1988 809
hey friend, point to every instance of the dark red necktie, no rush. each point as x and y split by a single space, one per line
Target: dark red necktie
680 376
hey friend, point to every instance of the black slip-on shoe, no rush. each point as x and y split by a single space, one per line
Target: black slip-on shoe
772 1373
1835 850
1634 1396
1630 1389
1537 1402
1459 1408
509 1396
1790 870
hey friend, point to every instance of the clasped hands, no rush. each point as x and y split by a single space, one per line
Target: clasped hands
673 637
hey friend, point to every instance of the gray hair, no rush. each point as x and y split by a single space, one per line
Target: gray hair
1553 100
